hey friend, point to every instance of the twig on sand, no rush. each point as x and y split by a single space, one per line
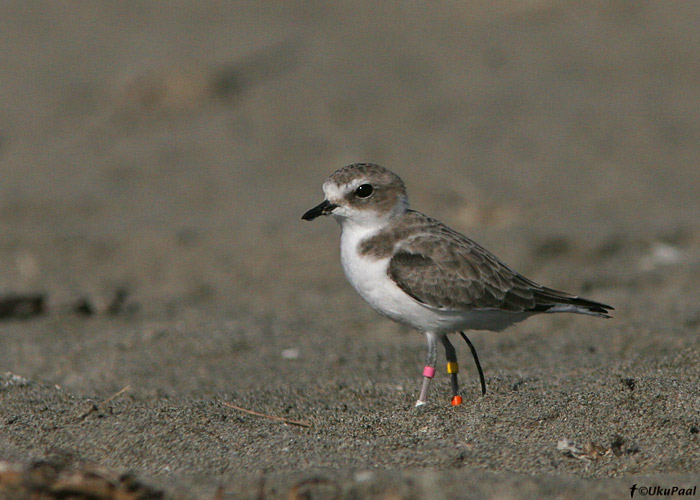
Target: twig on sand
104 403
271 417
115 395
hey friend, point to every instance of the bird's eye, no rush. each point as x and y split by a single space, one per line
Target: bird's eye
364 191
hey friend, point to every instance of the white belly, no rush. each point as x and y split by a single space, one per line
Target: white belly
369 277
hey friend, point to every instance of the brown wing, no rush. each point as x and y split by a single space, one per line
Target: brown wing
457 274
446 270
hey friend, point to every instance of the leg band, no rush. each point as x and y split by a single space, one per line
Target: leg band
429 372
452 367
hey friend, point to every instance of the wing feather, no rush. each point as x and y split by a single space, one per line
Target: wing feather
444 269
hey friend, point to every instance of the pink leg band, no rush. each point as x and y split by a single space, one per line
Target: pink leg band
429 372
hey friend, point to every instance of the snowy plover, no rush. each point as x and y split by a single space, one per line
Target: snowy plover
419 272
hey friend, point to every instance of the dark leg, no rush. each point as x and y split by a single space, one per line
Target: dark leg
452 369
478 365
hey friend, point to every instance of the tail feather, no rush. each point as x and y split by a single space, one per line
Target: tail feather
551 301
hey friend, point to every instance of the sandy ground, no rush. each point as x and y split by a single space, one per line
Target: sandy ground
169 150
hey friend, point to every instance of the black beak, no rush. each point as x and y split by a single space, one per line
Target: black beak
324 208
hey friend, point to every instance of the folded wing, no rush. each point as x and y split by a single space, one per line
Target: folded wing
445 270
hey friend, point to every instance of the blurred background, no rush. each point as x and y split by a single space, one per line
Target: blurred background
164 153
155 161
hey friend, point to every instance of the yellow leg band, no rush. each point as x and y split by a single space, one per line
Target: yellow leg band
452 367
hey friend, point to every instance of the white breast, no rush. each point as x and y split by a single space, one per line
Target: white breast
370 279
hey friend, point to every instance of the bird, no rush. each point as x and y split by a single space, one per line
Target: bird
419 272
